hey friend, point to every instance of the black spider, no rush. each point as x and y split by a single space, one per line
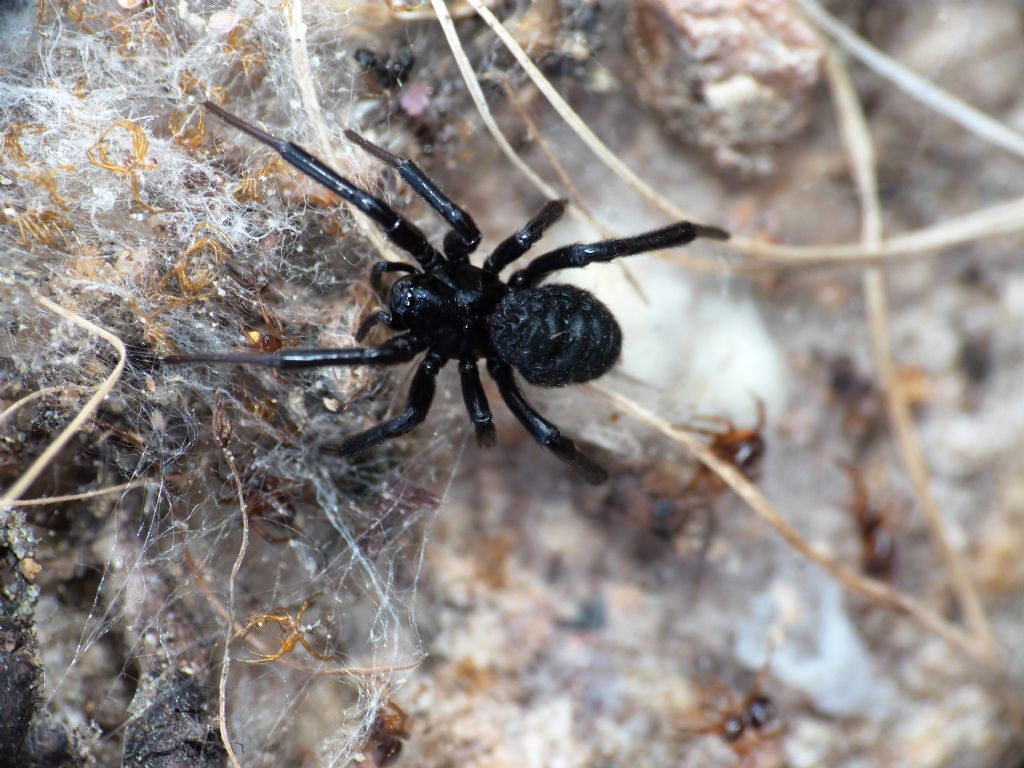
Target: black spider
552 335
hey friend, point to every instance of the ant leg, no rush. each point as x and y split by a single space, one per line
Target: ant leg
465 236
402 233
421 395
387 266
514 246
476 403
542 430
400 349
582 254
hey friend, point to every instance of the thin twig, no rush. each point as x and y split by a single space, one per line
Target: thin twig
850 580
917 87
51 451
856 138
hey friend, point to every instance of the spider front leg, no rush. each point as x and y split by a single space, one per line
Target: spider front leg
476 404
582 254
382 317
398 230
400 349
378 270
377 318
421 395
542 430
465 235
514 246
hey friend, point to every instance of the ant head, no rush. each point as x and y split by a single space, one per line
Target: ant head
760 711
750 451
732 727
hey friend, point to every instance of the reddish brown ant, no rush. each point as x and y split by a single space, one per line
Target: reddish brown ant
387 735
742 447
878 547
269 498
743 724
650 496
266 342
655 497
857 397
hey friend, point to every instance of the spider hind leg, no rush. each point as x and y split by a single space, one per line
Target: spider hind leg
399 349
421 395
542 430
476 404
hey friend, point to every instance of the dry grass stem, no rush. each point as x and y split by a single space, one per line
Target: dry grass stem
577 205
1000 219
1005 218
223 438
29 475
90 494
537 136
476 93
855 136
857 140
915 86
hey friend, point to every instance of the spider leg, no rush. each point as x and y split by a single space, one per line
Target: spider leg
476 403
421 395
582 254
377 318
514 246
383 316
386 266
542 430
402 233
400 349
465 236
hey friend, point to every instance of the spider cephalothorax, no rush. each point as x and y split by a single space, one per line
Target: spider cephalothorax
450 309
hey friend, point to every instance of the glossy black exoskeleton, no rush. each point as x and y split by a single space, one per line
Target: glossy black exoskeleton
451 309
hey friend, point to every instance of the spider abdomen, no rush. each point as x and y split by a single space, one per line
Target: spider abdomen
555 335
